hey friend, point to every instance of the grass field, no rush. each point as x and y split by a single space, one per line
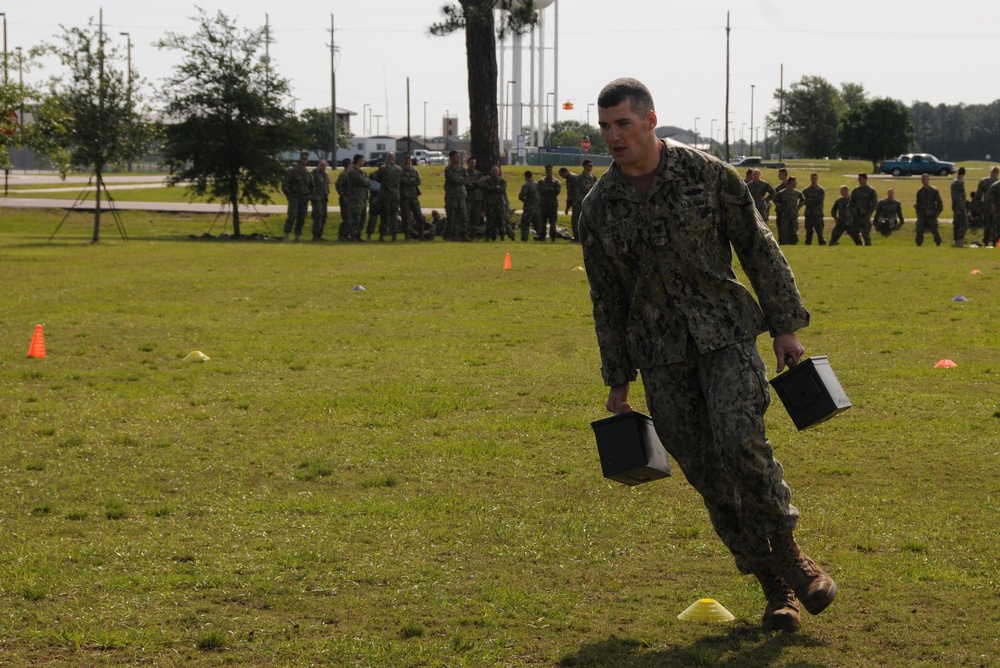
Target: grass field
406 476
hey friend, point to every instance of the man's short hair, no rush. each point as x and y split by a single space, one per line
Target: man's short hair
527 173
961 170
345 162
782 171
995 170
862 175
563 170
303 154
548 168
629 89
452 153
358 157
587 161
814 174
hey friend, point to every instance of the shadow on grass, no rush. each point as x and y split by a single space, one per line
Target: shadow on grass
740 647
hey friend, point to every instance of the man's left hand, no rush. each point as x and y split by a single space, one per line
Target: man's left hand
787 346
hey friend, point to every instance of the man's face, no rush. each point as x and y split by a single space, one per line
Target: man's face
863 180
628 134
814 179
472 163
322 165
844 191
925 179
588 167
756 175
454 159
548 173
891 194
495 171
303 162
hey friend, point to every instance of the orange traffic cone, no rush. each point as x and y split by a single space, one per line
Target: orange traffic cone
37 348
506 263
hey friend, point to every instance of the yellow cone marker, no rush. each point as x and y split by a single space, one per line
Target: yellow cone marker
196 356
706 610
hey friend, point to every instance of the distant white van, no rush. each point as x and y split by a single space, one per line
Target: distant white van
425 157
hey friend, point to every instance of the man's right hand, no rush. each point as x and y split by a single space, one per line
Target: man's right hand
618 400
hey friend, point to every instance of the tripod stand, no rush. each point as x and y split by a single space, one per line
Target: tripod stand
111 206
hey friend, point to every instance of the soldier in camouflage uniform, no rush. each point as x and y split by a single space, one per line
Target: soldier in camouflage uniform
548 205
991 235
572 199
360 186
455 179
959 209
659 231
783 183
320 199
528 195
762 193
297 187
585 182
497 205
864 199
788 202
929 206
815 197
842 222
986 214
409 200
474 197
389 176
888 214
342 186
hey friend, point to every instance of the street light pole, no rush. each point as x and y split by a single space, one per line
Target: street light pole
751 118
364 118
378 123
696 128
711 131
505 126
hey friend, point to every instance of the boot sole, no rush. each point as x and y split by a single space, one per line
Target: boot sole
817 605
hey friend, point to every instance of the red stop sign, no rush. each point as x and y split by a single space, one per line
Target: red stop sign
585 144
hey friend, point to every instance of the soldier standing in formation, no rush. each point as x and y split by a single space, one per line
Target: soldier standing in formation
842 222
789 201
762 193
888 214
497 206
529 214
548 205
584 184
991 215
814 197
359 186
297 187
959 209
864 199
929 206
342 186
783 178
985 215
389 177
320 199
455 179
409 200
474 197
572 198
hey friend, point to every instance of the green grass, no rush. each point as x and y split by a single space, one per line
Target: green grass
406 476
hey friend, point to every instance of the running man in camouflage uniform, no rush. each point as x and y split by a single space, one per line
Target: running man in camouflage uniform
762 193
959 209
342 186
929 206
888 214
320 199
659 231
864 199
788 201
529 215
455 179
548 205
297 187
409 200
815 197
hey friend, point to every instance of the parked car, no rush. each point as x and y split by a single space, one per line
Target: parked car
756 161
917 163
435 158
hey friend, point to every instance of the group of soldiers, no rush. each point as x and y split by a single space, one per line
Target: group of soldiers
476 204
857 211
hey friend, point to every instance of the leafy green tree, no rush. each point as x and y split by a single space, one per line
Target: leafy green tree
13 98
476 18
229 117
318 127
853 94
91 116
812 109
571 133
875 129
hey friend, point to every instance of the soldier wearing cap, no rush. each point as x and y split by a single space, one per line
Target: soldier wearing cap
548 205
320 198
297 187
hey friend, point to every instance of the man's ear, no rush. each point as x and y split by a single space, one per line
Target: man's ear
652 119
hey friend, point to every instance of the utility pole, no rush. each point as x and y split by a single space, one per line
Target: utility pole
781 115
128 92
409 135
727 88
333 98
751 118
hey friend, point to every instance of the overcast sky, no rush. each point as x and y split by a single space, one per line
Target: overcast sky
914 50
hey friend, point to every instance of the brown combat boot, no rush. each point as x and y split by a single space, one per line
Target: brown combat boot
811 584
782 611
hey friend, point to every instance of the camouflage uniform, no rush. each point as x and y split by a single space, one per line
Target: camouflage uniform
959 211
389 176
359 188
667 302
529 216
573 201
497 207
929 206
815 197
320 199
842 222
777 203
762 193
474 197
585 182
864 199
788 201
409 200
548 207
888 216
986 215
991 204
455 178
297 187
342 186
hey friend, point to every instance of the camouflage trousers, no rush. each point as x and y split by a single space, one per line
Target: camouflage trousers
960 224
458 217
529 219
297 209
709 413
991 228
319 216
927 223
814 225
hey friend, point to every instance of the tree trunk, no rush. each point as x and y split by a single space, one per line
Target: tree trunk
480 51
234 200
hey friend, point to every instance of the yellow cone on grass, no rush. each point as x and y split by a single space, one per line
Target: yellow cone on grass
706 610
196 356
